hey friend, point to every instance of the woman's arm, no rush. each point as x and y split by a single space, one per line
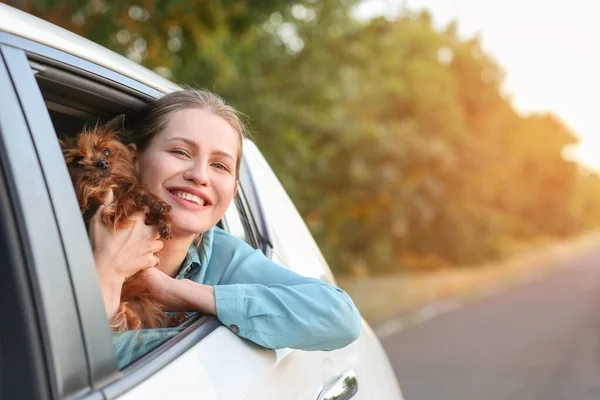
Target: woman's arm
180 294
286 309
262 301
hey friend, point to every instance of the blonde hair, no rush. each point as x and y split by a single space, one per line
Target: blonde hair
157 114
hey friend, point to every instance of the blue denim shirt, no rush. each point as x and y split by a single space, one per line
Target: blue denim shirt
258 300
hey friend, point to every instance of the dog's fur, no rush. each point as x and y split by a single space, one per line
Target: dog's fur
99 162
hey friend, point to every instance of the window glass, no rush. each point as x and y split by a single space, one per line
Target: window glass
238 222
233 222
131 345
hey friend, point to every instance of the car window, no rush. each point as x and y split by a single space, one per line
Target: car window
234 222
74 101
238 220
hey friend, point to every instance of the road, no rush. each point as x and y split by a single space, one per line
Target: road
538 341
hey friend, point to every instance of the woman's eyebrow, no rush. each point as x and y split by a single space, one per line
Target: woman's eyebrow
195 144
224 154
187 141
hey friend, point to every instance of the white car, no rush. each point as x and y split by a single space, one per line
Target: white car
55 341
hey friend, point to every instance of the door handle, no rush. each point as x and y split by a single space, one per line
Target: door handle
343 387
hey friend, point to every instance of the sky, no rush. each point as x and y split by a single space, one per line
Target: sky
550 52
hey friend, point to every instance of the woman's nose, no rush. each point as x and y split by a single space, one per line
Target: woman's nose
102 164
198 173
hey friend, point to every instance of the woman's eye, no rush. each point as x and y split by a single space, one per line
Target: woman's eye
105 152
179 152
221 166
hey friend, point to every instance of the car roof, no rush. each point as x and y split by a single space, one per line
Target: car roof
22 24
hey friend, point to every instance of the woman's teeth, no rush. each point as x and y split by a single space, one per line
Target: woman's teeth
190 197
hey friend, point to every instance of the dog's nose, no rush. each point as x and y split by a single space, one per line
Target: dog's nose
102 164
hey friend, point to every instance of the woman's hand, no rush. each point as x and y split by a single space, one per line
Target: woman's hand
180 294
122 254
128 250
160 286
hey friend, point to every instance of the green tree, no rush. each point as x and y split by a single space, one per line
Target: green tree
392 137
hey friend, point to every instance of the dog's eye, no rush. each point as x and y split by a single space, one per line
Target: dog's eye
105 152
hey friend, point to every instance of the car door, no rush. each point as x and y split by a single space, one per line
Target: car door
362 367
55 89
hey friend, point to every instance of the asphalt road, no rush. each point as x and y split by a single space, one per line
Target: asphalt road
537 341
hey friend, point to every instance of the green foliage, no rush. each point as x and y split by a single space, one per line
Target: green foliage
392 137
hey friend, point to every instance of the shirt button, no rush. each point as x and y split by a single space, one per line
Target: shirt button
234 328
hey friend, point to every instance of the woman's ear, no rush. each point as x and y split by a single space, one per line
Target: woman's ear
235 188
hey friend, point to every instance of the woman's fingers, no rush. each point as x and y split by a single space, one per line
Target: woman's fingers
158 245
110 197
153 260
108 200
150 260
146 231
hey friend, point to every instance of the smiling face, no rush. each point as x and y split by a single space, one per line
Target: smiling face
191 165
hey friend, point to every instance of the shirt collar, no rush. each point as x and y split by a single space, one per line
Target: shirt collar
197 259
191 262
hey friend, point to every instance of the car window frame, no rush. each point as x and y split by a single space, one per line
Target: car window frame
254 208
23 372
72 230
68 62
51 289
104 377
238 214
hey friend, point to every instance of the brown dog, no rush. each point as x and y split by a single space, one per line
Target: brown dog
99 162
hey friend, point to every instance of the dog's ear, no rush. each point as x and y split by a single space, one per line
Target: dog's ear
116 125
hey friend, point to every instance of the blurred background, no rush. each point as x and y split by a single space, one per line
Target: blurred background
440 151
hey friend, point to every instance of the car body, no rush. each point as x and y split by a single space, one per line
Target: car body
55 340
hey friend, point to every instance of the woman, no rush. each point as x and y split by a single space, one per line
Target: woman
187 152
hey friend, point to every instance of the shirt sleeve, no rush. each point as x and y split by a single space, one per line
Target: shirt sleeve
275 307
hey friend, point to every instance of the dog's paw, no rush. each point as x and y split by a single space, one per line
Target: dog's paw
164 230
160 207
166 208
